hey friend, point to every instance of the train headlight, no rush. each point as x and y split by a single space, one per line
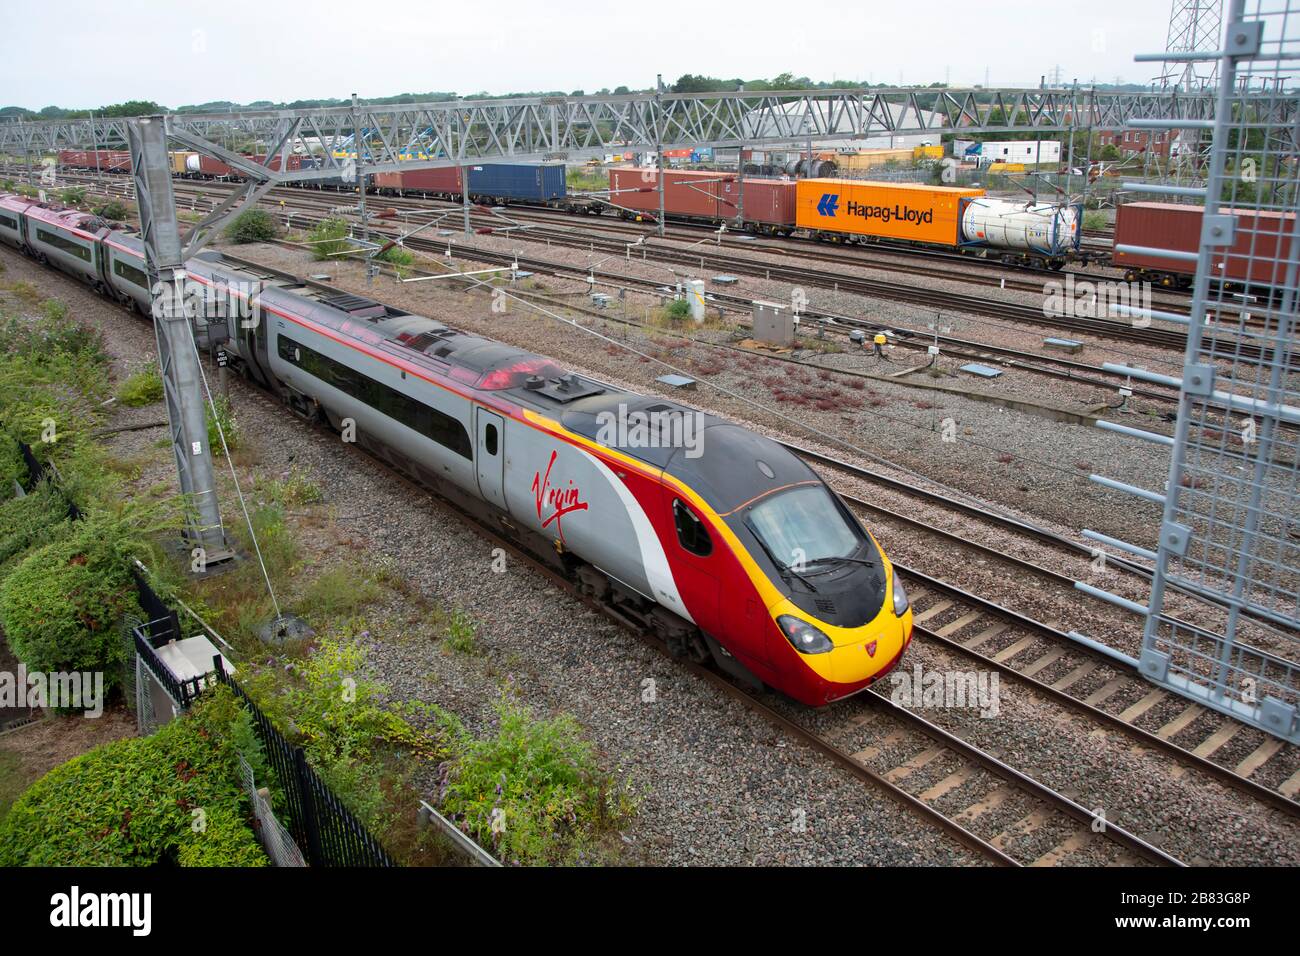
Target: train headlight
805 638
900 597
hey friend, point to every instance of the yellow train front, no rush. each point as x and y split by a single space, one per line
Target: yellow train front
782 581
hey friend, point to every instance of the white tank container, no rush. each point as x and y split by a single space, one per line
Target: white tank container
192 163
1022 227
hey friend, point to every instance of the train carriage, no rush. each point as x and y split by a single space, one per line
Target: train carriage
12 210
67 240
729 547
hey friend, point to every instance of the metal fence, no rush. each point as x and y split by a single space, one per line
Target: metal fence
319 822
1230 530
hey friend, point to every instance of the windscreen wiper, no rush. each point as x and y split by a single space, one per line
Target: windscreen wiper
782 568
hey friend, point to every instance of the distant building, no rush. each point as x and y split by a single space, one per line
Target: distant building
1130 141
1028 151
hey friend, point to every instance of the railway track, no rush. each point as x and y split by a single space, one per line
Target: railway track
1053 366
1000 639
1055 666
1019 313
917 260
1014 819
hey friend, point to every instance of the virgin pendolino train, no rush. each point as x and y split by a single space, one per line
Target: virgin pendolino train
741 555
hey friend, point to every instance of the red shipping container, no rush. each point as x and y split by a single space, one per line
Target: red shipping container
294 164
1261 244
443 179
112 160
691 193
213 167
769 201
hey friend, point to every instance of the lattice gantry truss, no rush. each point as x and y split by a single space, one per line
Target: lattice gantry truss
575 128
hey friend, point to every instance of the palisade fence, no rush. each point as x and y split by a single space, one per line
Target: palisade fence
326 831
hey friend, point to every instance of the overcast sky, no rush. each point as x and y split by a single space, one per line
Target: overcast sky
118 50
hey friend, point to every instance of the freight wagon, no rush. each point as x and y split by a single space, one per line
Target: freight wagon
442 182
104 160
518 182
703 196
1259 253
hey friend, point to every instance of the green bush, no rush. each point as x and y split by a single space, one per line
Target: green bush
60 607
73 196
12 466
541 779
30 521
678 309
397 257
345 724
133 802
329 239
113 209
252 225
143 388
221 411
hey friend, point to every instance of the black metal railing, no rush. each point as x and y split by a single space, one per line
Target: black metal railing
328 832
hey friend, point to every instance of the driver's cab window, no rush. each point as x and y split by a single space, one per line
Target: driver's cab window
691 533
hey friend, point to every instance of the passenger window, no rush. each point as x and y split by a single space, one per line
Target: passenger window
490 439
692 534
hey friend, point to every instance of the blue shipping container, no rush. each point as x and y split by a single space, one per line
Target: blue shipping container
525 181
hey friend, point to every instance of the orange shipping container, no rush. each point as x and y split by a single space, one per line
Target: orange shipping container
912 211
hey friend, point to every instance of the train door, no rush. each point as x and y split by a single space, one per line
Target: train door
490 455
693 559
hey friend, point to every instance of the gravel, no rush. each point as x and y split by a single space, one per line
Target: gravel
718 784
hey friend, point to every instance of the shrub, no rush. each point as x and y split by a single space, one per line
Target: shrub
461 633
113 209
73 196
220 411
329 239
132 802
400 259
252 225
678 309
60 607
542 780
13 468
143 388
30 521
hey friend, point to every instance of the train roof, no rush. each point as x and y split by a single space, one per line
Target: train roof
735 465
726 464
